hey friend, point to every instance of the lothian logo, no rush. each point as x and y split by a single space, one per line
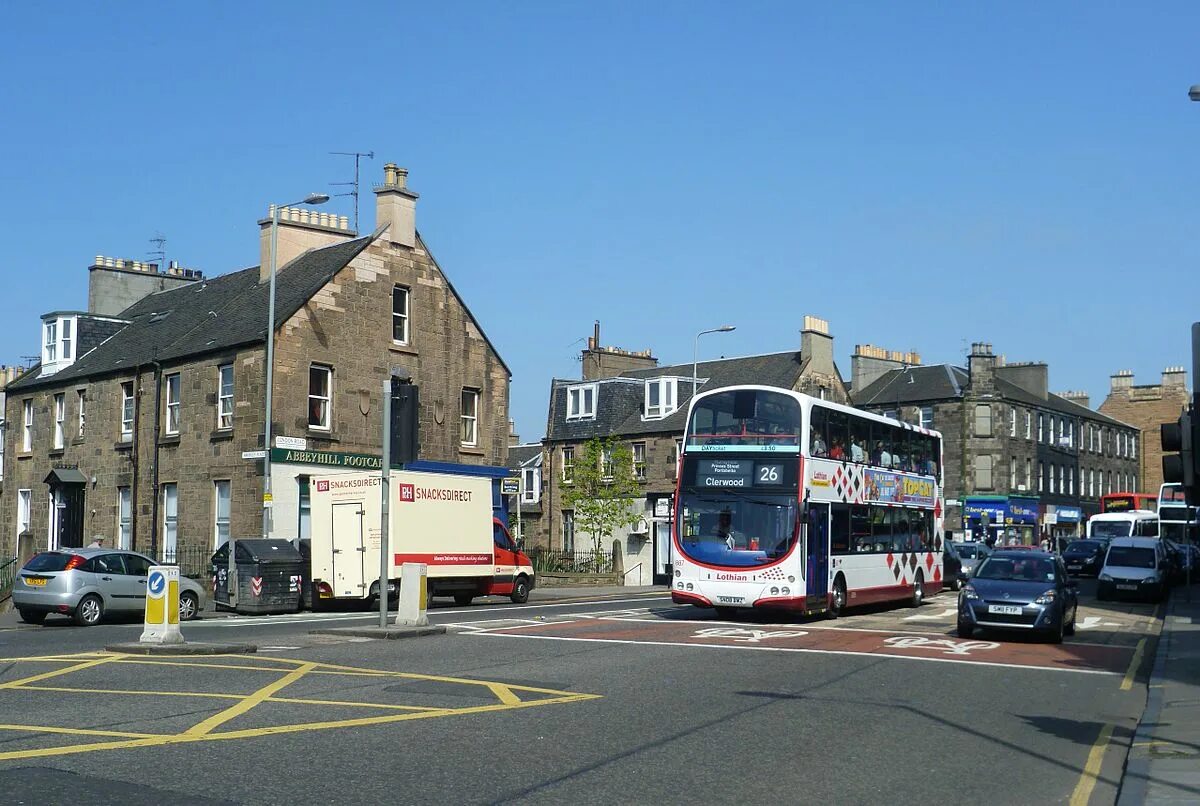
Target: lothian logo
408 492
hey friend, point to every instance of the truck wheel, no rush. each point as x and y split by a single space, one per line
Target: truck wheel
520 594
463 598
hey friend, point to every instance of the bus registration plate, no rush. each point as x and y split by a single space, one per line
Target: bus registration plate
731 600
1005 610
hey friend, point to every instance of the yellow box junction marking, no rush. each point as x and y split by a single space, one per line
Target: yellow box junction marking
508 696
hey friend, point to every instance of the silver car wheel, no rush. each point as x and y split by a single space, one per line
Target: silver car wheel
90 610
187 607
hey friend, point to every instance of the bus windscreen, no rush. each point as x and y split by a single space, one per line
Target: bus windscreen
746 420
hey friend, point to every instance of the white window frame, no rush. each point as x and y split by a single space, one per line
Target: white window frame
1062 490
64 328
81 403
639 462
324 422
24 510
50 342
1071 480
568 529
531 485
171 423
224 401
126 410
1133 446
1012 473
606 464
581 401
667 392
27 425
1012 421
469 417
1041 427
1041 477
60 420
221 522
1028 425
925 414
124 518
1052 487
568 464
401 318
1028 474
170 524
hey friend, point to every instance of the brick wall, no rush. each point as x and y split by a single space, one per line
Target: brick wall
1146 408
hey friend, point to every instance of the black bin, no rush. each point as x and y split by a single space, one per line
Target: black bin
270 576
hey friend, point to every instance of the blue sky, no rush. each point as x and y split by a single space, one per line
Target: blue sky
921 175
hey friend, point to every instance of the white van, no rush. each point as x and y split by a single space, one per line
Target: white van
1135 567
1134 523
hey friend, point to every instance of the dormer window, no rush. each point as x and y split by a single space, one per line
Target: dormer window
58 342
661 397
581 402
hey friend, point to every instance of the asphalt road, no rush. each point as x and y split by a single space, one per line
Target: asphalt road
625 700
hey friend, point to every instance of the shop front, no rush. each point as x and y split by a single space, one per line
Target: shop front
1062 523
1001 520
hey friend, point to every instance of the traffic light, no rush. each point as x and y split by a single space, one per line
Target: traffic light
1179 442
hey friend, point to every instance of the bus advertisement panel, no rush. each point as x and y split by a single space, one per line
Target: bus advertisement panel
786 501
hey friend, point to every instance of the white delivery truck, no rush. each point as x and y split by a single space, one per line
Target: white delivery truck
440 519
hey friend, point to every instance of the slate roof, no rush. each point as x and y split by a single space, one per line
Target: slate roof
946 382
520 454
619 400
203 317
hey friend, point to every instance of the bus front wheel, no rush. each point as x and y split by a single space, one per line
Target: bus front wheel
838 603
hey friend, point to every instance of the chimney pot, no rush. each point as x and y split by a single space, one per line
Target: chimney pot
389 174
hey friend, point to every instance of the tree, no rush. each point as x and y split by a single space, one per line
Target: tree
602 489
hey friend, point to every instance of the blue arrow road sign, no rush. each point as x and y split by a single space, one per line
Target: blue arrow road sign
157 583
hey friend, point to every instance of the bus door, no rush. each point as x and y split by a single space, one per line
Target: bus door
817 558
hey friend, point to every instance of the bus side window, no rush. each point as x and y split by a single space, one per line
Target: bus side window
817 444
838 435
859 440
860 527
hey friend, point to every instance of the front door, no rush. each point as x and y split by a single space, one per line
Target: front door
817 559
66 516
349 548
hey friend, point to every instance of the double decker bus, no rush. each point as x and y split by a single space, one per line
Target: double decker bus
789 502
1176 520
1127 502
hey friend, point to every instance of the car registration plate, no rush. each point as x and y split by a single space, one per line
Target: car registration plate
1127 587
1074 567
1005 610
36 582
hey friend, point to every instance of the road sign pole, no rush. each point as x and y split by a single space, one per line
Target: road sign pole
385 501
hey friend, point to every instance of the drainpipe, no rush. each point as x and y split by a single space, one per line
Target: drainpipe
154 460
133 493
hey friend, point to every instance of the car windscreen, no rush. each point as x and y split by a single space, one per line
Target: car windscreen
1130 557
1023 569
1083 547
48 561
968 552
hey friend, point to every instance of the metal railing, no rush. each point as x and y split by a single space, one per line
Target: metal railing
193 561
583 561
8 575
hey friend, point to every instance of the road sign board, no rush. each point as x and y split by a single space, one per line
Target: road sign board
291 443
510 485
254 454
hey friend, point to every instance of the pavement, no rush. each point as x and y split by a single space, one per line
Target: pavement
1164 761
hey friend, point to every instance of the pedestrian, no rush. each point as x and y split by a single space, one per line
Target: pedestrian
97 542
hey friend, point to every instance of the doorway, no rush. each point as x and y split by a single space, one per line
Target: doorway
817 558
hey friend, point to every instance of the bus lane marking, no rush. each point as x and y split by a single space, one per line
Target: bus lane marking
1072 657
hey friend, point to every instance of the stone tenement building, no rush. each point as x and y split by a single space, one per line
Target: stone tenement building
134 424
1036 461
628 396
1148 407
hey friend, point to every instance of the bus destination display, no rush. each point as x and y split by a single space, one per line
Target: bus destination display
739 473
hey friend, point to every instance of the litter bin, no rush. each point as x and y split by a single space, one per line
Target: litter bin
270 576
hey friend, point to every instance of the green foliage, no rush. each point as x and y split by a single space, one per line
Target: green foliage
602 489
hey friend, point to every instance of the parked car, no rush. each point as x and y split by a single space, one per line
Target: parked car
1135 567
1019 590
971 555
1084 557
88 584
952 567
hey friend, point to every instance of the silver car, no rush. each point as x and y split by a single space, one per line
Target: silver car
85 584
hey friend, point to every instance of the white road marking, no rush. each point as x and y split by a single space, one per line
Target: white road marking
946 645
745 635
1092 622
949 611
761 648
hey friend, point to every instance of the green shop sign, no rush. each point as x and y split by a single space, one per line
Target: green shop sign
355 461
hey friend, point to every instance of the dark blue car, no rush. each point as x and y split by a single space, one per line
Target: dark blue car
1019 590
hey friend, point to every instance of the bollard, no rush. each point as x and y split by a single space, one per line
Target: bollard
162 606
410 612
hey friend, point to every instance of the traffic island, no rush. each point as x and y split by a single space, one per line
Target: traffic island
185 648
391 632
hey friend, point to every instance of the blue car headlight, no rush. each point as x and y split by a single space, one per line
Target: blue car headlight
1046 598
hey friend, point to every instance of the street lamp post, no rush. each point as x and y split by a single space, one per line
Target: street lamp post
696 351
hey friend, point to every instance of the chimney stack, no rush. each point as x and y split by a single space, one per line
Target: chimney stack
300 229
1120 381
396 206
1174 378
816 345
